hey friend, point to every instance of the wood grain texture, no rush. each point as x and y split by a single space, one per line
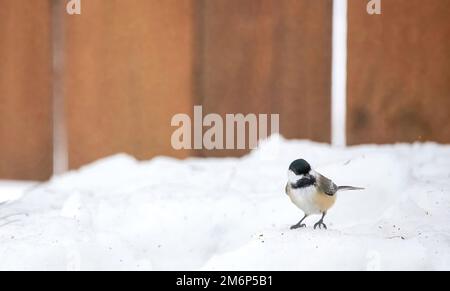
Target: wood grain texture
399 72
25 90
128 70
267 56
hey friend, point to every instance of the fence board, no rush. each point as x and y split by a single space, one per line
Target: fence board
25 90
128 68
399 72
266 56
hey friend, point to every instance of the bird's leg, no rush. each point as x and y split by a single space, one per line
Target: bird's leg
299 224
320 222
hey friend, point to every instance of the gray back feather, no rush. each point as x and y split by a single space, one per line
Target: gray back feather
326 185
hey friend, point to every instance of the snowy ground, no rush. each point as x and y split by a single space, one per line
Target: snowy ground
12 190
216 214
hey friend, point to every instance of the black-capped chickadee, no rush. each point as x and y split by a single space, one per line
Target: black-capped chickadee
311 192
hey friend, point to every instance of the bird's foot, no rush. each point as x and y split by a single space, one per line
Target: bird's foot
298 226
320 224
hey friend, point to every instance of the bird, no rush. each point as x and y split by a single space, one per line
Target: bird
312 192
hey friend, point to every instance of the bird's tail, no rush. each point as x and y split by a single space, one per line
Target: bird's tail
349 188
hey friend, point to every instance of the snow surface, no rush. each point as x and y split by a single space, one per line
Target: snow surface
232 214
13 190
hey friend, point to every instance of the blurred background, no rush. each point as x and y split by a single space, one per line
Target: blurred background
76 88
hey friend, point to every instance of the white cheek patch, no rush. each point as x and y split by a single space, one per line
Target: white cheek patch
292 178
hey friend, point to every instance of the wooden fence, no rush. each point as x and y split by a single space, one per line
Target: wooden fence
123 68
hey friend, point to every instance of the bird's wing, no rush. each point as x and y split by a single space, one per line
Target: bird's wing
326 185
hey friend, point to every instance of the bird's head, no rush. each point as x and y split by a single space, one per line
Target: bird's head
298 169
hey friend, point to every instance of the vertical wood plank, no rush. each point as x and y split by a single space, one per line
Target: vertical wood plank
266 56
399 72
128 70
25 90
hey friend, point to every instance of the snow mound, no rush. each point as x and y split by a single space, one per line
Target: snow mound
214 214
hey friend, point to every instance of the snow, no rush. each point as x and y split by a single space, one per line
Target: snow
232 214
13 190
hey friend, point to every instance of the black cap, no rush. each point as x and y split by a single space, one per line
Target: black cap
300 167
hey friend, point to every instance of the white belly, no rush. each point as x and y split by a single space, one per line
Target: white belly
303 198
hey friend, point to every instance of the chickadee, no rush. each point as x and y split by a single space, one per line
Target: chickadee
311 192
